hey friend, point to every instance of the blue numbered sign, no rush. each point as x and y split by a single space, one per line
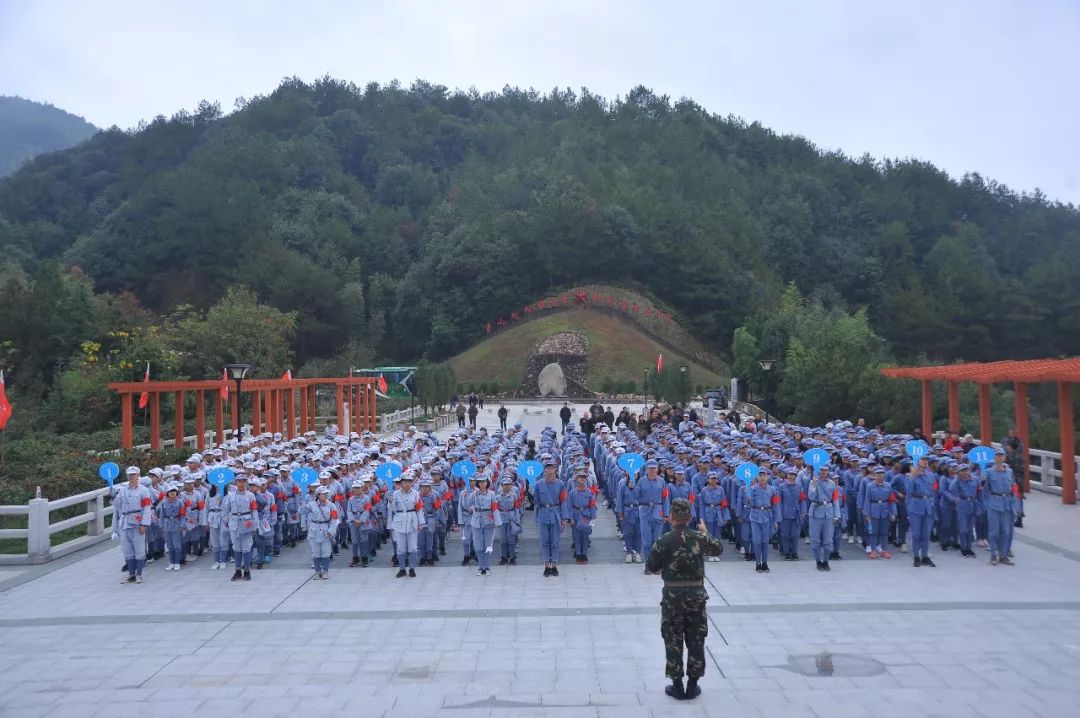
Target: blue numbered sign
463 469
386 473
530 471
221 476
917 448
981 455
630 463
304 476
747 472
816 458
109 471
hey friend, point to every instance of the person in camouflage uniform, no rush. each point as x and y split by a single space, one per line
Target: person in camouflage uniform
679 558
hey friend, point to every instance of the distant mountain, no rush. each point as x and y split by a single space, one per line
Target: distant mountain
28 128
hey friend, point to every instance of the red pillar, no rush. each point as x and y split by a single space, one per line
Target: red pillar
303 409
256 412
275 397
219 418
927 409
178 437
155 420
1068 451
125 421
313 405
986 425
954 406
340 407
358 410
1022 430
361 391
290 425
200 419
374 418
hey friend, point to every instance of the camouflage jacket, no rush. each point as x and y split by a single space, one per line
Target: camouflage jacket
679 555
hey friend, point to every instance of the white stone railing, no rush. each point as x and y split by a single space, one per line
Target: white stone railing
40 527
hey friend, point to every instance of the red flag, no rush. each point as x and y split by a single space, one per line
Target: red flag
145 396
659 363
5 405
225 388
287 376
382 384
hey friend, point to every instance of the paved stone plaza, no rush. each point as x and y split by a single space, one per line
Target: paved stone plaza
965 639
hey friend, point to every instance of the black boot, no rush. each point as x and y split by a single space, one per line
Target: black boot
675 690
928 562
237 575
818 564
692 689
247 574
465 561
393 560
355 562
916 562
825 566
401 573
765 566
412 573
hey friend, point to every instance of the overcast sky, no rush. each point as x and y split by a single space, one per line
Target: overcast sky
988 86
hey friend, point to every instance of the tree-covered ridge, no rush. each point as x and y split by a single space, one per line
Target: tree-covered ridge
29 128
404 218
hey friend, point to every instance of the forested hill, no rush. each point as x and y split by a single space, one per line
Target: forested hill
408 218
29 128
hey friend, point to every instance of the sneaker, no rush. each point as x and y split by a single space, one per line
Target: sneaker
794 557
176 567
513 560
873 555
851 539
993 560
637 556
903 548
886 554
1007 561
807 541
843 536
325 576
138 579
128 579
628 558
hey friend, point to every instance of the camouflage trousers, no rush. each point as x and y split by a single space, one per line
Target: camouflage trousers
683 622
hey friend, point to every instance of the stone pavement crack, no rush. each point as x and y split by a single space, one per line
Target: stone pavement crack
538 612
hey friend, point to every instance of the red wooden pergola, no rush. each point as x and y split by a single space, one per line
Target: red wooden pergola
277 405
1064 372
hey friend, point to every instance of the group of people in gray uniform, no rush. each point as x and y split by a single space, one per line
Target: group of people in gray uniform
370 491
755 489
409 490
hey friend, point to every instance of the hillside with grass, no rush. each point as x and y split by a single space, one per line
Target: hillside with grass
619 354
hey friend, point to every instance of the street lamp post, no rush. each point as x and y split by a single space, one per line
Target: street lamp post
237 372
684 392
766 366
